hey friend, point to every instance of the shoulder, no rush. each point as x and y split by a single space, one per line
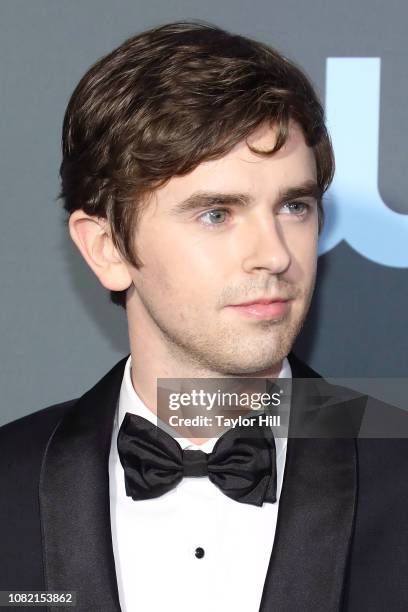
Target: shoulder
27 436
46 417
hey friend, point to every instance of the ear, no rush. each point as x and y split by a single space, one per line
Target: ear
93 239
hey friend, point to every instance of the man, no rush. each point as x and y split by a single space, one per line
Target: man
194 165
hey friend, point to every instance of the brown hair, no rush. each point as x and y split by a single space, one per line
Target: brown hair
163 102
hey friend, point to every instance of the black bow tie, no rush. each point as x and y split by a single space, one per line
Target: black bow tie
242 465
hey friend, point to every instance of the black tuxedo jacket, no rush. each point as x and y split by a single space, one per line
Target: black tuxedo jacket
341 541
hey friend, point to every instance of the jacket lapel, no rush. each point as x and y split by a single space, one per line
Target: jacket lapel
74 500
318 500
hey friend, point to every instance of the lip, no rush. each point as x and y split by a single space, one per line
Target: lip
262 301
263 309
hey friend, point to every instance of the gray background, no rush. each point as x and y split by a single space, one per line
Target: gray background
59 332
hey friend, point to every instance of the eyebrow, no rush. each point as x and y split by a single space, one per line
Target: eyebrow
201 200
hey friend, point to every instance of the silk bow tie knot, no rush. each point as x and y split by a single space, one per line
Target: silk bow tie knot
195 462
242 465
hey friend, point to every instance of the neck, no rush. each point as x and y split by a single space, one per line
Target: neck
149 366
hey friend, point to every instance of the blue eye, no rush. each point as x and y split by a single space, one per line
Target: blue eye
217 215
304 207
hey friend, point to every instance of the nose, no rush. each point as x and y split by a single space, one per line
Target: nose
264 247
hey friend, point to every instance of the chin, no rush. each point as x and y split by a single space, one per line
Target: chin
252 361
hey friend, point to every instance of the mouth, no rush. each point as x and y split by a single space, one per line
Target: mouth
263 308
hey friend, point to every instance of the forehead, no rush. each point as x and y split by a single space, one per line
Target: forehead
246 171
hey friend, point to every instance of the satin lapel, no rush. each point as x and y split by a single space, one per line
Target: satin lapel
74 500
316 512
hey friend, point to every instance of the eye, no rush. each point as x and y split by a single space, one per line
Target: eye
214 217
297 208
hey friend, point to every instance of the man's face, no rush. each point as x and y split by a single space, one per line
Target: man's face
229 232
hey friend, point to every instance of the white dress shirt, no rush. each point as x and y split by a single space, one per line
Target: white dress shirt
154 540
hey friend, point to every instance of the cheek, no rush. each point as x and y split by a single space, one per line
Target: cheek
308 255
176 272
303 248
309 265
198 259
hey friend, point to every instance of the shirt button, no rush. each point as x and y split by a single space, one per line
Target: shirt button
199 552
